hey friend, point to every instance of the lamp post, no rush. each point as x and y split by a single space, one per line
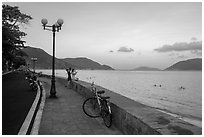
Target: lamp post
34 60
54 28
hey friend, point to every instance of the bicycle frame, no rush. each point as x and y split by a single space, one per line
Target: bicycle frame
98 97
109 109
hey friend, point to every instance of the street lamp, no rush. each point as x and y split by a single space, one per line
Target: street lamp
55 27
34 60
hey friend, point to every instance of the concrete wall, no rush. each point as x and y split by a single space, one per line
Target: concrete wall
132 117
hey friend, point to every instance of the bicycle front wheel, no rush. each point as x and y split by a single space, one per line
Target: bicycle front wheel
106 114
91 107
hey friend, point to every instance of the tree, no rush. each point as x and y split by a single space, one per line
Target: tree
12 42
18 61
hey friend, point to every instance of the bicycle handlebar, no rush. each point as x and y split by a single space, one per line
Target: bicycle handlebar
93 88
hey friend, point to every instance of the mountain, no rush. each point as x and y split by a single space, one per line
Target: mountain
44 61
191 64
85 63
143 68
106 67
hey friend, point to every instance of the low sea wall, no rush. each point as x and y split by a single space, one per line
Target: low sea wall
132 117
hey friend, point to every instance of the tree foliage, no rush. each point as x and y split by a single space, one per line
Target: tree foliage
12 36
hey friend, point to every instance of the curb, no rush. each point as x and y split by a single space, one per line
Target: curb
32 120
6 73
26 124
36 125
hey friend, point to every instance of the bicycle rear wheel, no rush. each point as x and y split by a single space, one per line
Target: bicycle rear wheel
91 107
106 114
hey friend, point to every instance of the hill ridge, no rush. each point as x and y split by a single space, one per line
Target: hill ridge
44 61
189 64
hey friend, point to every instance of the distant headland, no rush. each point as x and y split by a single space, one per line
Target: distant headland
186 65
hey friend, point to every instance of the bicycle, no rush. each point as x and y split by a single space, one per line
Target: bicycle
98 106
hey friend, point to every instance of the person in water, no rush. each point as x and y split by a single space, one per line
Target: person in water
158 85
182 88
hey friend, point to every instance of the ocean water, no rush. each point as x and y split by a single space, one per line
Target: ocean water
144 87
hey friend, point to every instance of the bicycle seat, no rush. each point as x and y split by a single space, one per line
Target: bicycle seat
105 97
100 92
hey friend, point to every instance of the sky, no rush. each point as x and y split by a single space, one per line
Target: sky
123 35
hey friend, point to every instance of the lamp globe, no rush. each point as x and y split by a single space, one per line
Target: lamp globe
44 21
60 22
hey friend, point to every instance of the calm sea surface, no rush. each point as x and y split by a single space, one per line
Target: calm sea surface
140 86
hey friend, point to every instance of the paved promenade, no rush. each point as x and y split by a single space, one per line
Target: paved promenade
64 115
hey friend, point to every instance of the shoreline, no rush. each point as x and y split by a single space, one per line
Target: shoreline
191 120
132 117
129 110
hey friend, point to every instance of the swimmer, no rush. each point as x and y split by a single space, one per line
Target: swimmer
182 87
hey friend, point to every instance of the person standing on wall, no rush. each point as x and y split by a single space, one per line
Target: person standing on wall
73 74
69 79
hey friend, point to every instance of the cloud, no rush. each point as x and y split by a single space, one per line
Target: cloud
182 46
174 54
197 52
125 49
194 38
182 56
177 55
